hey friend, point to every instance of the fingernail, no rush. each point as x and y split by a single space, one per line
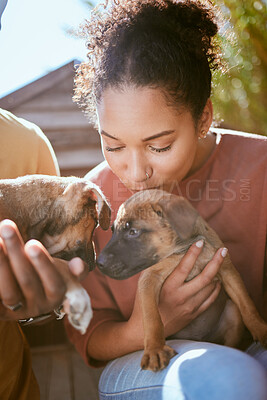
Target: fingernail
33 251
224 252
199 243
6 231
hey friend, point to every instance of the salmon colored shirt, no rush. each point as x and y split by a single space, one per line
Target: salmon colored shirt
230 193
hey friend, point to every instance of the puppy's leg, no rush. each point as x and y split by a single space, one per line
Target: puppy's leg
156 354
236 289
77 304
233 325
230 328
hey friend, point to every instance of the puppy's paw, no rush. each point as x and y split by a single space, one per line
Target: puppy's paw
77 306
157 359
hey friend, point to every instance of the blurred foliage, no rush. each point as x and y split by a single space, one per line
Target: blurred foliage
240 95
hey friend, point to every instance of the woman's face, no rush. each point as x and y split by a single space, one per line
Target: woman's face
142 135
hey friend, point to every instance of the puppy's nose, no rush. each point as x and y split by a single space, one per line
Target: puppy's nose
102 260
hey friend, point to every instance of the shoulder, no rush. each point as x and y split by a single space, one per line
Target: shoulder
242 150
100 173
103 177
248 142
17 126
24 147
17 130
109 183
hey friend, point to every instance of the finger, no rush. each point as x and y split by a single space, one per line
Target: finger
23 271
208 274
3 246
196 300
208 302
186 264
78 268
10 293
52 281
8 229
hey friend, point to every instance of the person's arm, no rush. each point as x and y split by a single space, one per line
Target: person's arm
180 302
35 282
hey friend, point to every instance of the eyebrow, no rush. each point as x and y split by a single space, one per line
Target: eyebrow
157 135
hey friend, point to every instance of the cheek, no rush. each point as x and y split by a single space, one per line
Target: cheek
178 162
115 162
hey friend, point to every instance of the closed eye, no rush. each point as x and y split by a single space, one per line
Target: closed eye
160 150
107 148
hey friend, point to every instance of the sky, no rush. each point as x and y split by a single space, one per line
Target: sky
34 41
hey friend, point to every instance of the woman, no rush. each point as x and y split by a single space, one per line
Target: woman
147 85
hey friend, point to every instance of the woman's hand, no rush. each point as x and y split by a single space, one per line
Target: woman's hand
181 302
30 280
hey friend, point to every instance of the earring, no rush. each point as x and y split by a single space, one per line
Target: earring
203 134
147 176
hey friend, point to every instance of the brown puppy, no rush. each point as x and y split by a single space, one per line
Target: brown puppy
155 229
62 213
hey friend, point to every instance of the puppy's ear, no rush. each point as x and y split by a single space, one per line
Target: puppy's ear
103 208
76 195
181 215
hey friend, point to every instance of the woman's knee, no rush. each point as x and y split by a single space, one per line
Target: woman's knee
200 371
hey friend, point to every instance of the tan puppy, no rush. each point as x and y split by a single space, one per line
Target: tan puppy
155 229
62 213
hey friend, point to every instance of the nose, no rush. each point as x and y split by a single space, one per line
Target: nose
103 260
137 165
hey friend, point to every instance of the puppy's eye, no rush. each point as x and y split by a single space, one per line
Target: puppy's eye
127 225
133 233
78 242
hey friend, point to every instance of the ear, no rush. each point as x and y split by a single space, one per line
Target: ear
206 117
76 195
103 208
181 216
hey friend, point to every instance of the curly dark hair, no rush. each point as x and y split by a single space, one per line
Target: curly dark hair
164 44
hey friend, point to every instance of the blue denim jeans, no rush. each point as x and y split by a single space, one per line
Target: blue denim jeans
200 371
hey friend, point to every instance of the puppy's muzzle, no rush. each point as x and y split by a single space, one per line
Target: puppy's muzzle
108 266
